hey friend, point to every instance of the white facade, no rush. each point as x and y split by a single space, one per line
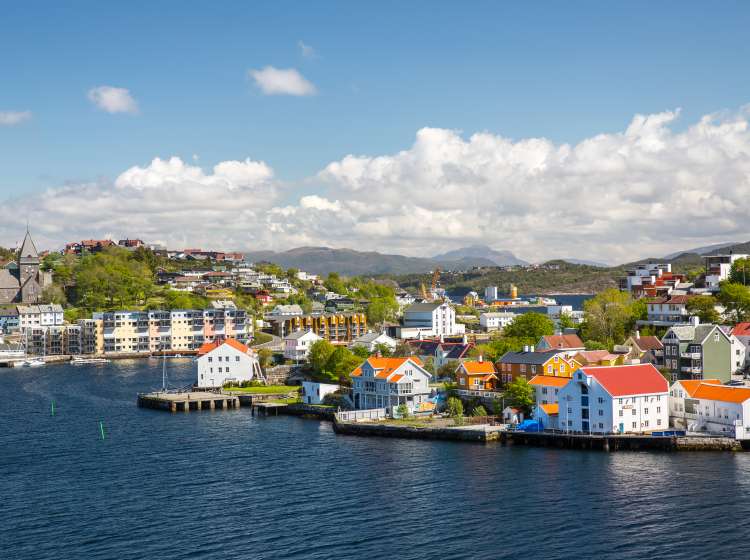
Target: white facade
585 405
433 319
372 340
39 315
718 268
495 321
228 363
388 382
314 393
739 353
297 345
711 408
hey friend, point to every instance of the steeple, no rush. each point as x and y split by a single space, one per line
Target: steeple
28 253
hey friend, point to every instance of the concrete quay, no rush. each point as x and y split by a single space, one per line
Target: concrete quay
474 433
187 401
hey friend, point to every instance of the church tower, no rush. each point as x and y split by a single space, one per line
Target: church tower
28 265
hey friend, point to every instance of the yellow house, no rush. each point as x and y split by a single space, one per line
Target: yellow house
528 364
597 358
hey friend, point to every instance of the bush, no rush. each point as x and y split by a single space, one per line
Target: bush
479 411
403 411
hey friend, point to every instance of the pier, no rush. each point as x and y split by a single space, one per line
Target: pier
266 408
187 401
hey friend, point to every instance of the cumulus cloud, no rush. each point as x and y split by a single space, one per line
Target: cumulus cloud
279 81
306 50
113 99
10 118
614 197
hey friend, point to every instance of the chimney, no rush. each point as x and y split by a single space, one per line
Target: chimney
480 358
525 348
637 333
695 320
531 348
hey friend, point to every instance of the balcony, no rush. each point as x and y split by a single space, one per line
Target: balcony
690 355
691 369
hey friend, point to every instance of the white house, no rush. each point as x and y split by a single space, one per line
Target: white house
314 392
371 341
741 332
681 410
388 382
297 344
496 321
225 361
718 268
616 399
430 319
717 409
50 315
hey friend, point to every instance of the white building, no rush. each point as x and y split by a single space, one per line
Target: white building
390 382
618 399
496 321
681 411
718 268
314 392
297 344
225 361
430 319
713 408
490 294
741 332
371 340
30 316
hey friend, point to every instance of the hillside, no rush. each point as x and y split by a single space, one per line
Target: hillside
322 260
481 254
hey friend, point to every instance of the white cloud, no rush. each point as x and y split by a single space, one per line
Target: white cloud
278 81
10 118
113 99
613 197
306 50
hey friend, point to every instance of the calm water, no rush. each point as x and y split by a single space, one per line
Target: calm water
226 485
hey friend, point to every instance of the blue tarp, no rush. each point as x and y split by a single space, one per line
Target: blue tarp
530 426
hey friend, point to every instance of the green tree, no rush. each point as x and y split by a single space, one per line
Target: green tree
594 345
479 411
740 273
361 352
704 307
736 299
530 326
455 407
340 365
566 321
320 353
447 370
265 357
382 309
54 294
520 394
402 350
334 283
403 411
112 279
383 349
608 317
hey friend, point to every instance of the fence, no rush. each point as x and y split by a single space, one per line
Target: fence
361 415
484 394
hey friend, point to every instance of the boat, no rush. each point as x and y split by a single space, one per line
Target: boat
35 362
76 360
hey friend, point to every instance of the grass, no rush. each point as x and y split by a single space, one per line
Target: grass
265 389
292 400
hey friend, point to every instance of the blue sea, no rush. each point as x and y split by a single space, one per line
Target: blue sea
229 485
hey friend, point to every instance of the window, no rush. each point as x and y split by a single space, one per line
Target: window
633 411
601 412
645 424
549 368
645 411
562 367
600 400
210 359
236 358
658 409
620 413
634 425
658 422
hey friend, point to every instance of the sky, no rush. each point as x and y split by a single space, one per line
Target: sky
576 130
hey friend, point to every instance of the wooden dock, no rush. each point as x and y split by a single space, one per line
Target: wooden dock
185 402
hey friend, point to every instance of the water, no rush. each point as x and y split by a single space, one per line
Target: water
227 485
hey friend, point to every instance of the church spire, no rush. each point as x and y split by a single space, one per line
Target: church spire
28 253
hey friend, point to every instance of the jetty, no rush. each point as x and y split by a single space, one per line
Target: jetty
187 401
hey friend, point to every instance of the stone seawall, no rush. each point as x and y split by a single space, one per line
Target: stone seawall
379 429
621 443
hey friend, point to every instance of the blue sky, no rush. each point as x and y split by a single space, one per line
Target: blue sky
564 71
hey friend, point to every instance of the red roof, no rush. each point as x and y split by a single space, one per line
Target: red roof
620 381
211 346
741 329
671 299
563 341
649 343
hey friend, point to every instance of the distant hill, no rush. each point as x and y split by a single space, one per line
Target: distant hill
587 263
717 247
480 254
322 260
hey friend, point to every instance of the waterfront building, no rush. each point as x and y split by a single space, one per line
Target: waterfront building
224 361
297 345
529 363
547 388
477 375
714 408
645 350
372 340
741 332
45 315
338 328
314 392
620 399
430 319
389 382
9 320
568 343
494 321
22 281
697 350
682 405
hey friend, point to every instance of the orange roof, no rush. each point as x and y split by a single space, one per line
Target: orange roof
386 366
477 368
691 385
550 408
211 346
722 393
549 381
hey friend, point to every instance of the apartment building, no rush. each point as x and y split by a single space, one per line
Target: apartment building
335 327
696 351
718 268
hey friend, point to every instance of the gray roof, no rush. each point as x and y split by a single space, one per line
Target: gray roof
298 334
28 249
368 337
529 358
8 280
693 333
419 307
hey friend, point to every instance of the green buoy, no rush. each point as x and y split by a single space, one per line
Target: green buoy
101 428
53 408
